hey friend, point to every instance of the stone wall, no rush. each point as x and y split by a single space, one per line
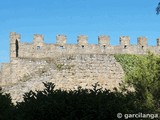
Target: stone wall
0 75
66 65
71 67
12 72
52 50
38 49
5 74
67 72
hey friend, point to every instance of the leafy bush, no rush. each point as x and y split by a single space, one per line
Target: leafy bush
81 104
129 62
142 73
6 107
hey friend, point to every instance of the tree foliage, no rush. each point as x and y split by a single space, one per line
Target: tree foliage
6 106
158 9
144 77
81 104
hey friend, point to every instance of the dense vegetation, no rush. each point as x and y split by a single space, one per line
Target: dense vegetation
158 9
142 74
81 104
6 106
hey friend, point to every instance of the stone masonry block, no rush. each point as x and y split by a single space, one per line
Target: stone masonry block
82 40
61 39
104 40
124 40
142 41
38 39
158 41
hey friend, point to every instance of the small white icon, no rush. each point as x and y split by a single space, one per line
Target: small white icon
119 115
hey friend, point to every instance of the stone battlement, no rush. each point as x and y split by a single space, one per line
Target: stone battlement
66 65
39 49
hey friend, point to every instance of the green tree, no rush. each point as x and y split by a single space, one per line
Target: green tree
158 9
143 74
6 107
81 104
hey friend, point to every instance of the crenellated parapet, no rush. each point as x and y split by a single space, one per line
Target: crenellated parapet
28 57
14 44
61 39
82 40
38 39
124 41
39 49
142 41
104 40
158 41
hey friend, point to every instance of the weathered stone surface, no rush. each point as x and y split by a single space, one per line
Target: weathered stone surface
67 65
67 72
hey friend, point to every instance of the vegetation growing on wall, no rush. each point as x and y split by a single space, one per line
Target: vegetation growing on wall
6 106
128 61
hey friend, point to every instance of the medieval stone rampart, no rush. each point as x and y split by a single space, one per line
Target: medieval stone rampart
67 65
22 55
39 49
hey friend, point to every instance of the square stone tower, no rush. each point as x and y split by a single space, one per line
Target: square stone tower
125 41
61 40
14 45
142 42
104 40
38 41
82 40
158 41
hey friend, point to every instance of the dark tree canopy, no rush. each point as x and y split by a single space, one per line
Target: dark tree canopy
158 9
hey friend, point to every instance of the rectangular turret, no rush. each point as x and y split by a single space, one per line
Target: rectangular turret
14 45
158 41
142 41
82 40
61 40
104 40
125 41
38 39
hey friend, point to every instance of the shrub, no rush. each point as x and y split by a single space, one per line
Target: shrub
6 107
